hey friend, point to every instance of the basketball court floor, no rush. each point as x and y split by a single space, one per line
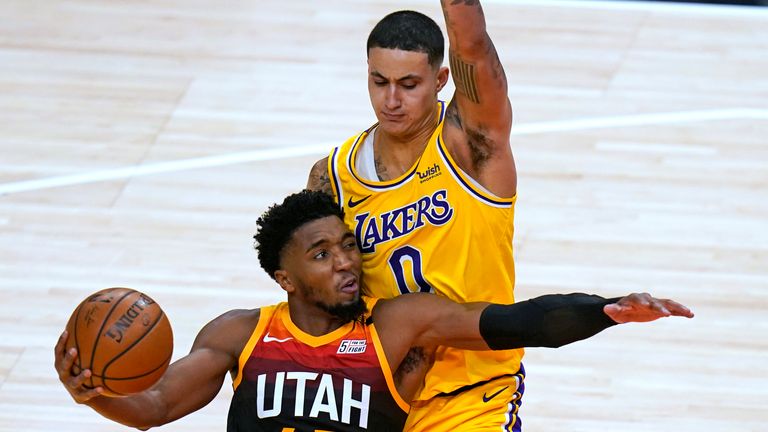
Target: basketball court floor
139 141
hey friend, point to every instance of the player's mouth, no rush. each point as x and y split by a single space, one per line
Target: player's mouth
392 116
350 286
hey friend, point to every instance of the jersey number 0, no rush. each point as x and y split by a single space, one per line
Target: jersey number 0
397 264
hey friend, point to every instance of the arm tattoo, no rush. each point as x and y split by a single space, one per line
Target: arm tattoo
319 179
464 78
452 115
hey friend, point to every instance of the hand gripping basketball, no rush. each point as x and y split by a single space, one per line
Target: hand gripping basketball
118 341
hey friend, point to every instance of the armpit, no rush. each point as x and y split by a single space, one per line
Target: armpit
415 359
480 147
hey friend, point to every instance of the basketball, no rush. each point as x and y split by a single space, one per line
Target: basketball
123 337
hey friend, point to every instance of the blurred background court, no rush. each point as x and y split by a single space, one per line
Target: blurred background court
140 140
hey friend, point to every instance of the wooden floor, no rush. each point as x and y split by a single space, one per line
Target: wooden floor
140 140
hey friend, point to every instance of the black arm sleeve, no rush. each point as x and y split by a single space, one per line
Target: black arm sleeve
547 321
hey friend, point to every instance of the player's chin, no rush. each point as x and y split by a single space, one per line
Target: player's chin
348 309
349 298
394 127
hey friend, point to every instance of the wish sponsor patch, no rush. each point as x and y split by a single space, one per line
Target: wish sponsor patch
352 346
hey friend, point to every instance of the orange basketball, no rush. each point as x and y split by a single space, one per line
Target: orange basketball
123 337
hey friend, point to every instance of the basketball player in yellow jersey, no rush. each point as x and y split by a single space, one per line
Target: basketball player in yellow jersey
429 192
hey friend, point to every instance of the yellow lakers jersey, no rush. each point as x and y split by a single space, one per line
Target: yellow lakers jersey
433 229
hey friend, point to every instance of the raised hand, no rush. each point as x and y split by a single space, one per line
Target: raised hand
73 383
643 308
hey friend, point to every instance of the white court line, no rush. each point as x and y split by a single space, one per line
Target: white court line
320 149
640 120
718 10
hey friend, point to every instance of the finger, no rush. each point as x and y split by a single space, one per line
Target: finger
79 391
616 312
59 349
634 300
91 393
659 307
678 309
78 380
64 366
645 299
623 307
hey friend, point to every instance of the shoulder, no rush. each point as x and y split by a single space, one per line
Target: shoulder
319 178
229 331
234 321
321 165
237 317
403 309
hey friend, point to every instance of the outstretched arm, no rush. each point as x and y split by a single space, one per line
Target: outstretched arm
553 320
479 118
557 320
189 383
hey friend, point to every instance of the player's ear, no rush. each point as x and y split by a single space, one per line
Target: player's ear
281 276
442 78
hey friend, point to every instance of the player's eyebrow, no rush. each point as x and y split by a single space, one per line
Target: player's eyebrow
317 243
324 240
407 77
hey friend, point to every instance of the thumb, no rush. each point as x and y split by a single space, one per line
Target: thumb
614 312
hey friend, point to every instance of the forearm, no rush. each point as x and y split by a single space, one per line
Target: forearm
479 77
546 321
140 411
465 23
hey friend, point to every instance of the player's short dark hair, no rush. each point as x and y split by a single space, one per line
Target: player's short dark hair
276 226
409 31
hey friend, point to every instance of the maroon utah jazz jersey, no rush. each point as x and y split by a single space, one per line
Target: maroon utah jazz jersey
291 381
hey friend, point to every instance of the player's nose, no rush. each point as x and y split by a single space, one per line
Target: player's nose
392 100
343 261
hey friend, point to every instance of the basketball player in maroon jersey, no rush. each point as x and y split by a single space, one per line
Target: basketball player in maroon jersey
324 360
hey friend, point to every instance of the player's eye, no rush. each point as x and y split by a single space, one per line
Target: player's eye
320 255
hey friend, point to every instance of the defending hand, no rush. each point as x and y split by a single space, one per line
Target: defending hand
643 308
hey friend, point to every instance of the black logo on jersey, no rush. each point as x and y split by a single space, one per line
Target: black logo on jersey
352 203
429 173
487 398
371 230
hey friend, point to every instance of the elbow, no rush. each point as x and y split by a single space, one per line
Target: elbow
150 425
471 47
